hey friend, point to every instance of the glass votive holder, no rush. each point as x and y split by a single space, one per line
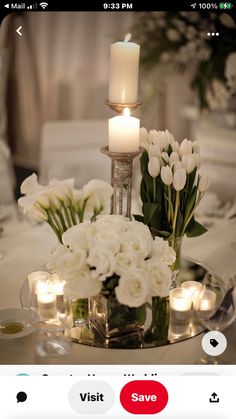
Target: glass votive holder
193 288
57 287
34 277
51 342
45 300
205 305
180 306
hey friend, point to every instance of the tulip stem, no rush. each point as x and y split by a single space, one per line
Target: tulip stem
191 214
175 216
169 197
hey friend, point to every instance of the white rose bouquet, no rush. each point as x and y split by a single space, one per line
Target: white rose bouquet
61 205
113 255
171 187
116 258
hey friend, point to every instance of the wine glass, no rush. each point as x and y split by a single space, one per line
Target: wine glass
215 307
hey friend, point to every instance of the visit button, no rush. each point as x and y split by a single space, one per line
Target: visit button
144 397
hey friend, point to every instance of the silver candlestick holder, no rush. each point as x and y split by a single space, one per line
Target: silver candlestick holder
122 168
121 179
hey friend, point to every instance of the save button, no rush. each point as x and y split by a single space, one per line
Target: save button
144 397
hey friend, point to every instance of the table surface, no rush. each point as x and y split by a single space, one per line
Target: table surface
27 247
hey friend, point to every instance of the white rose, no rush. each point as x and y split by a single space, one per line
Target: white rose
114 222
159 278
132 289
103 262
163 252
83 286
137 239
78 237
98 193
125 261
108 238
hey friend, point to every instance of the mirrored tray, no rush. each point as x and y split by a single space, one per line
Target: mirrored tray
86 333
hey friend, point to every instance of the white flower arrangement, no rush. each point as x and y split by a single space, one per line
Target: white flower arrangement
61 205
113 255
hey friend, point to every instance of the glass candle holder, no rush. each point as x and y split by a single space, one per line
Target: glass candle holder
46 300
193 288
205 304
34 277
180 305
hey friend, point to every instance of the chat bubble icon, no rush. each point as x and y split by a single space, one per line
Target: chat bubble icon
21 397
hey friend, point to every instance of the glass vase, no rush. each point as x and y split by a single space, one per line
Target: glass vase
176 244
157 333
80 311
113 320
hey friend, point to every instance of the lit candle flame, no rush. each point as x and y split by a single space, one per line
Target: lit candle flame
127 37
126 112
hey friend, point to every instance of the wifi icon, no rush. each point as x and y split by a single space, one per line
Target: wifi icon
43 5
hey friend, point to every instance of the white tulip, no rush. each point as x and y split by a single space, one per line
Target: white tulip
197 159
188 162
196 147
153 137
143 136
174 157
175 146
154 167
166 175
179 179
185 147
178 165
162 251
203 183
165 156
154 150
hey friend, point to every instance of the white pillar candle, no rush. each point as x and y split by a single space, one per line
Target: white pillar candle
33 277
193 288
124 131
124 70
180 305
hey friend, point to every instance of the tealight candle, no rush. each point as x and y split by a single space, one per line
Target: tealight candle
47 307
193 288
57 287
34 277
180 305
124 70
46 300
124 132
206 303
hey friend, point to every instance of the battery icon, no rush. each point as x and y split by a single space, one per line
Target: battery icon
225 6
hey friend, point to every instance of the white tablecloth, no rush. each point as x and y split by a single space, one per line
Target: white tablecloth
27 247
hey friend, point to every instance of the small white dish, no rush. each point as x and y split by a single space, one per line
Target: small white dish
16 323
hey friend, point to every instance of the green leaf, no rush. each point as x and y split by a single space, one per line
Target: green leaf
149 209
195 229
139 218
143 191
144 163
160 233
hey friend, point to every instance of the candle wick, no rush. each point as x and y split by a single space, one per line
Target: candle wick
127 37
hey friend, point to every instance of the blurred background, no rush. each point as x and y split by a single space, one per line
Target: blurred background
54 82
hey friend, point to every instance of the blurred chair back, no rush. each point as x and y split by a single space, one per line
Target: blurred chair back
7 180
72 149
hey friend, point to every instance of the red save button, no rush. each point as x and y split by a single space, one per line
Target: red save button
144 397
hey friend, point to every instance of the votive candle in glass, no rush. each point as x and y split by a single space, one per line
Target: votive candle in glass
180 305
193 287
205 304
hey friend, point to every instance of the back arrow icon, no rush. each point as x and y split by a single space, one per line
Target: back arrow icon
18 30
